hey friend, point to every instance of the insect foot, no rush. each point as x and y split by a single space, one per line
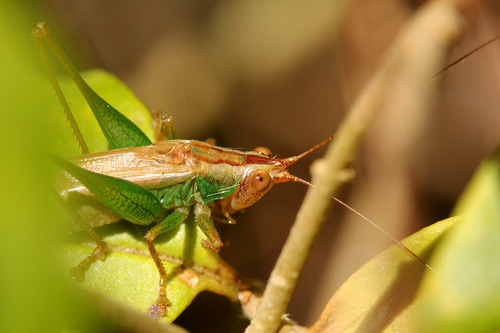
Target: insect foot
78 273
159 308
212 245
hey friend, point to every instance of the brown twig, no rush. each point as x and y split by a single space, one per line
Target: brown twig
418 52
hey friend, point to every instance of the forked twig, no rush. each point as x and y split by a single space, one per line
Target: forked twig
418 52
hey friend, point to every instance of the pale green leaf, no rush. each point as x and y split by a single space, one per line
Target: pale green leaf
379 296
129 275
463 294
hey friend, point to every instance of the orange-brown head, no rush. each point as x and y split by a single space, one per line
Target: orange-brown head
259 173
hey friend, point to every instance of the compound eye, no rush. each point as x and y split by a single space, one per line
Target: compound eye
263 151
260 180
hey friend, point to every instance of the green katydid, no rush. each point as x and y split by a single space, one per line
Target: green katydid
159 183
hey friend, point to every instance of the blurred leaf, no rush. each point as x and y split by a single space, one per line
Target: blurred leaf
379 296
33 295
463 295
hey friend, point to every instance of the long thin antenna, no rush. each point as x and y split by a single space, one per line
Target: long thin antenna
461 59
413 254
290 160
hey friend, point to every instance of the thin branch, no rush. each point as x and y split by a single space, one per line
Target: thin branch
418 52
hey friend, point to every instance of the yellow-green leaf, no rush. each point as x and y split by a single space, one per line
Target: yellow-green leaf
463 295
129 275
379 296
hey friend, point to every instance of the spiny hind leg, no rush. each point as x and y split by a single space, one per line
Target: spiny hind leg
159 308
102 248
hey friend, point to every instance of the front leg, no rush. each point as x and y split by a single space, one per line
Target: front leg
202 213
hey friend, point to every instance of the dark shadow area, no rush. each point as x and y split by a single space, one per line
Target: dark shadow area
212 313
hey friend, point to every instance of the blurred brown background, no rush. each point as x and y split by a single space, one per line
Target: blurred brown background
283 74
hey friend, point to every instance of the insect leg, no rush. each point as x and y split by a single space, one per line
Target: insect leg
99 252
202 213
60 96
119 131
159 308
164 127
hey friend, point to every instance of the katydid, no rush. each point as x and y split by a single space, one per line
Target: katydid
161 183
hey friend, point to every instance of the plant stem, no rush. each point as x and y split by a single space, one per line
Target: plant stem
418 53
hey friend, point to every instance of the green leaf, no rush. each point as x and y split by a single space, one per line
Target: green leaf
129 275
379 296
463 295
